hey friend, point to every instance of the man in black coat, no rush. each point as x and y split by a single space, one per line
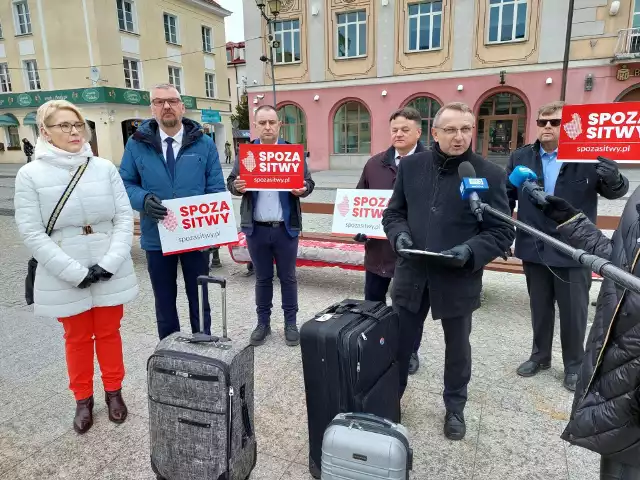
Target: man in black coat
426 212
380 174
551 275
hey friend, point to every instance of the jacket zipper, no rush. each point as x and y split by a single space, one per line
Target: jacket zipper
225 370
606 338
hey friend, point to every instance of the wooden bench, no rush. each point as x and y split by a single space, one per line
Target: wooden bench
511 265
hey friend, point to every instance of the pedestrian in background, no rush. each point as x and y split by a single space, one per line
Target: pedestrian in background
27 148
169 157
426 213
379 173
552 276
272 222
85 273
227 152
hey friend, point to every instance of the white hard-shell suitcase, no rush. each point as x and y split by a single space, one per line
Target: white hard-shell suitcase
361 446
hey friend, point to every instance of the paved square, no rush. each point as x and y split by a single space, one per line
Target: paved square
514 424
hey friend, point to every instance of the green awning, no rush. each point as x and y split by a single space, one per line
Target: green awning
30 119
8 120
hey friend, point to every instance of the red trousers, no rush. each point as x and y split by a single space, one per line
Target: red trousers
100 325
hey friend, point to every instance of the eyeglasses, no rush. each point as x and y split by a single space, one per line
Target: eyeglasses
555 122
451 131
159 102
68 127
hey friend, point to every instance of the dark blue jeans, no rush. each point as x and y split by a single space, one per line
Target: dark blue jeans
375 290
267 244
163 272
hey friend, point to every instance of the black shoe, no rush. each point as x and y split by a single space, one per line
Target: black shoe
83 420
250 270
454 426
215 258
570 380
530 368
259 334
291 335
414 363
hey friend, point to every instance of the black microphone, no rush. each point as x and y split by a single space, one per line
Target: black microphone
469 185
525 177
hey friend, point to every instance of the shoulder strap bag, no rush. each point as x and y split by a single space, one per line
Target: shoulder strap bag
33 263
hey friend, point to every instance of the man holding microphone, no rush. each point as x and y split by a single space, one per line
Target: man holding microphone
426 212
380 174
552 276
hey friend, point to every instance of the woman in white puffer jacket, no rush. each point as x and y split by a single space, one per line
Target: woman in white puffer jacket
85 273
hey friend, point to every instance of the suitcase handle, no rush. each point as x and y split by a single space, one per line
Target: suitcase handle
368 417
203 282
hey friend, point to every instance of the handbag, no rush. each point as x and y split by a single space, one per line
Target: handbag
32 265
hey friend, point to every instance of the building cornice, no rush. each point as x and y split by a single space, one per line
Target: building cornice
421 77
215 9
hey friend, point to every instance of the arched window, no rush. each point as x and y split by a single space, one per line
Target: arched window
351 129
428 107
501 128
294 128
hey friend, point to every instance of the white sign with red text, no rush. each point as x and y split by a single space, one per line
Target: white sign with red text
195 223
360 211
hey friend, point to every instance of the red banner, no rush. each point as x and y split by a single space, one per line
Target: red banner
272 167
610 130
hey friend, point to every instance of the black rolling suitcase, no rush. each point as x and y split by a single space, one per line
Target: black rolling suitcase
349 365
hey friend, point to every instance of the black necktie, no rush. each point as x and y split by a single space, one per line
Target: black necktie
171 159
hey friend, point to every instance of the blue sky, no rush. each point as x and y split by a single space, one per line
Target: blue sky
234 27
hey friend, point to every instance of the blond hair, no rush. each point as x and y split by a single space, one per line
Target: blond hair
456 106
550 108
48 109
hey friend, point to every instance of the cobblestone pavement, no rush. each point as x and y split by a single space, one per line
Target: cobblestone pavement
514 424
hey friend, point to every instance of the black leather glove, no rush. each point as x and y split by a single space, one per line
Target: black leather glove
461 254
154 208
608 171
559 210
100 273
403 240
88 280
360 238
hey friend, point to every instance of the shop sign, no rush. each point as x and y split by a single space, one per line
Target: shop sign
84 96
624 73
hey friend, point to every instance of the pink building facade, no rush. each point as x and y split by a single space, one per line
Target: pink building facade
501 129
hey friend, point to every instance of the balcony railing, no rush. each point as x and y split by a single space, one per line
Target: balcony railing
628 46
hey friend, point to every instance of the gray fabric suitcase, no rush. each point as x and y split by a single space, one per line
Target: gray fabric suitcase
361 446
201 404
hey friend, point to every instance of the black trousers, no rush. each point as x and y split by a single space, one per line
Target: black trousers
610 470
457 357
375 290
569 287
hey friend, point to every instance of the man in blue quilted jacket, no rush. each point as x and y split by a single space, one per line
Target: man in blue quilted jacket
169 157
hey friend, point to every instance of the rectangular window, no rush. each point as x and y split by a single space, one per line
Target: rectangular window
126 16
171 28
12 135
425 26
352 34
31 74
228 56
287 32
5 78
1 35
210 85
175 78
636 14
507 20
131 73
207 46
22 18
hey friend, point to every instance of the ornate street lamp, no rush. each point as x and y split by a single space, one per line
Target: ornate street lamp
274 7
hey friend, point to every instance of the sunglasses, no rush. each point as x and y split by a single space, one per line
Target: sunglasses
555 122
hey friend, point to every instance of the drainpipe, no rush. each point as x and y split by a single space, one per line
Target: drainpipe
567 48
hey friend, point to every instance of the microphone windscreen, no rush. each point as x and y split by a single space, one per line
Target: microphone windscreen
466 170
521 174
